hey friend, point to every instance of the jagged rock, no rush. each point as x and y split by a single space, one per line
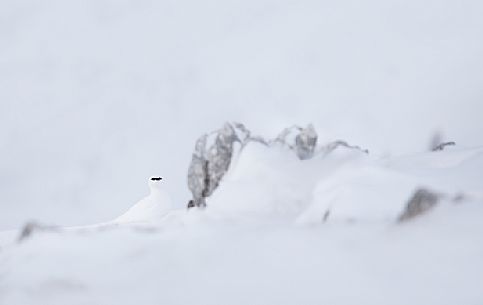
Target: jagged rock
197 172
421 201
442 146
306 142
219 157
302 140
327 149
436 139
214 152
287 136
437 143
245 136
210 163
191 204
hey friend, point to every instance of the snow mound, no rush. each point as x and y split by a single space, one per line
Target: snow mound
346 185
253 239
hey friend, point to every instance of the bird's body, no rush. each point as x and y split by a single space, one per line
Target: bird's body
151 208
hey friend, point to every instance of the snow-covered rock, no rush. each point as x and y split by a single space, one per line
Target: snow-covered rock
344 185
422 201
210 161
215 152
306 142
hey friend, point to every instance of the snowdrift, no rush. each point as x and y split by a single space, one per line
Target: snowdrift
278 230
345 185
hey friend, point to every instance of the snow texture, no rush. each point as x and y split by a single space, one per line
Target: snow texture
276 230
95 95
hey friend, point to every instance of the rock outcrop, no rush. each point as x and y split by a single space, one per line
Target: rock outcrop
214 152
421 201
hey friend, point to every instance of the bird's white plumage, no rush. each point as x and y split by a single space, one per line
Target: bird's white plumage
151 208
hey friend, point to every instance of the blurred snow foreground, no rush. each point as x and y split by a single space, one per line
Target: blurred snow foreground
274 221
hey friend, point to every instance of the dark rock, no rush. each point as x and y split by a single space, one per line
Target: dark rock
442 146
306 142
30 227
422 201
339 143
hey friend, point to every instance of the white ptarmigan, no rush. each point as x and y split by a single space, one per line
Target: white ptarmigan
151 208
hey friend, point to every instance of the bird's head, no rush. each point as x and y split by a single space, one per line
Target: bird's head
155 182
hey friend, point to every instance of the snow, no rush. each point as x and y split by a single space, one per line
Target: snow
95 95
360 264
262 239
98 94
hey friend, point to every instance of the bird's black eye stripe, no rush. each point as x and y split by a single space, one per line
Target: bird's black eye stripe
156 178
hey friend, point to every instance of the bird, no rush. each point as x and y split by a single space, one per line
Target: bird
151 208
